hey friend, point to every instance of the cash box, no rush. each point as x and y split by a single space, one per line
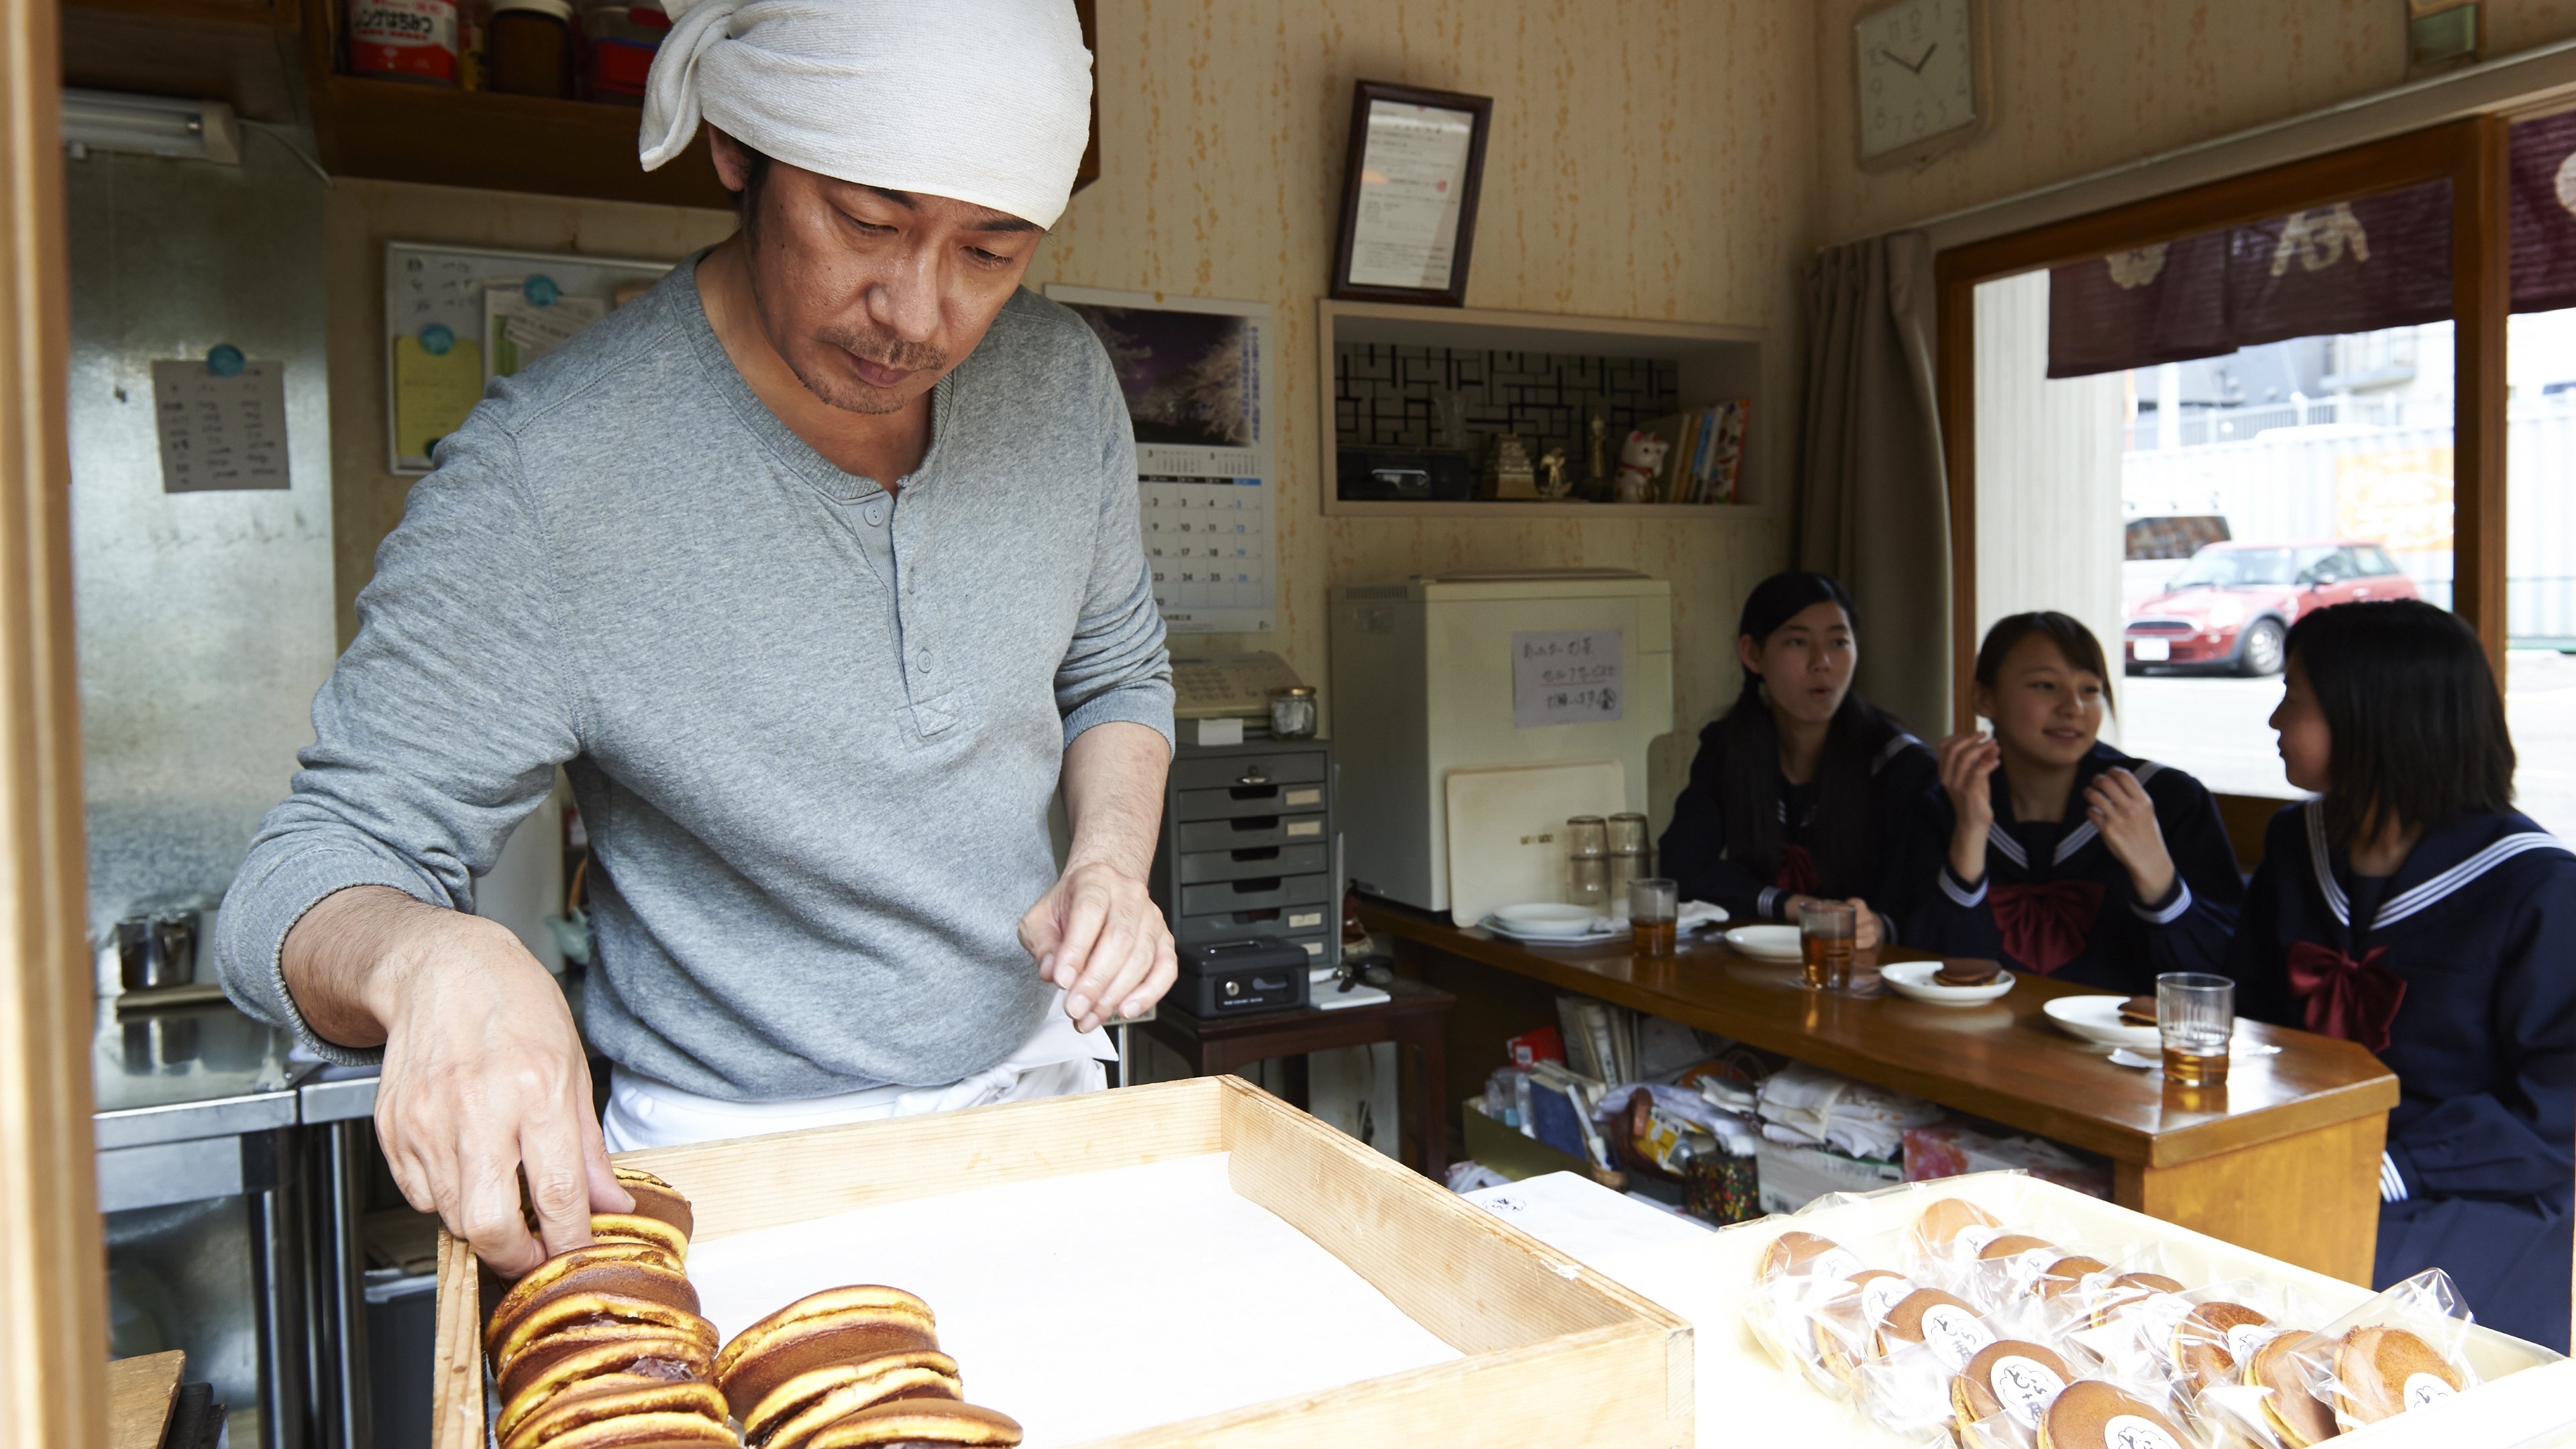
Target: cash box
1240 978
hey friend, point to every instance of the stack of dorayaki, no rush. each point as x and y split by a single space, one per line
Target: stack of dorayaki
603 1347
2034 1345
852 1368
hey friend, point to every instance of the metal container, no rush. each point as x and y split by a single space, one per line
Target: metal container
157 950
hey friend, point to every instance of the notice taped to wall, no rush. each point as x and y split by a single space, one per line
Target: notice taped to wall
1566 676
220 430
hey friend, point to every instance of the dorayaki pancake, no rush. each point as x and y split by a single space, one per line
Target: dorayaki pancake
1793 1251
2006 1245
1870 1294
694 1342
655 1198
2008 1376
2067 1274
573 1312
1967 972
2092 1414
836 1326
617 1277
1944 1220
671 1360
1947 1325
2211 1341
2383 1372
2299 1417
649 1431
2131 1289
795 1410
2138 1011
615 1396
921 1424
637 1228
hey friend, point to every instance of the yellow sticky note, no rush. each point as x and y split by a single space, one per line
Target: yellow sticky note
433 392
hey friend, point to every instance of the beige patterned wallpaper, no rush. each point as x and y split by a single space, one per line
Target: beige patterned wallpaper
2083 85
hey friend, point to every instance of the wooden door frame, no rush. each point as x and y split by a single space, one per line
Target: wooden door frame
53 1269
2471 154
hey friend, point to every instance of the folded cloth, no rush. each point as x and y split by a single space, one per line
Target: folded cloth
988 103
1813 1105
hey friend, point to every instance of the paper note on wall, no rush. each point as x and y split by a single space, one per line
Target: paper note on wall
1566 676
518 332
433 391
220 431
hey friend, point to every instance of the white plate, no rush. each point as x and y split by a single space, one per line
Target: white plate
2097 1019
1544 938
1767 943
1546 918
1914 979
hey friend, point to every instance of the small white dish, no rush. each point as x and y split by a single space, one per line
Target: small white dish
1767 943
1914 979
1552 938
1546 918
2097 1019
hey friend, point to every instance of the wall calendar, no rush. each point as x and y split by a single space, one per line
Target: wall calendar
1196 376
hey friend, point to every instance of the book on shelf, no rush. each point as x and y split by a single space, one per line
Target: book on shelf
1704 456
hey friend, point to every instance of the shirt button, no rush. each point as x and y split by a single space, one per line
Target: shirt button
921 661
874 513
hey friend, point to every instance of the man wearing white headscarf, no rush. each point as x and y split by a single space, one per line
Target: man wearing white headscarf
817 570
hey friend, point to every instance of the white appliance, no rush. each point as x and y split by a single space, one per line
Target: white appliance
1469 671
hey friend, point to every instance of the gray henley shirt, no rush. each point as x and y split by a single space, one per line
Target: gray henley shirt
813 728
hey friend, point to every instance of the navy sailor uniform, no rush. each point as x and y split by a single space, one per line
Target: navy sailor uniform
1693 851
2056 902
2460 972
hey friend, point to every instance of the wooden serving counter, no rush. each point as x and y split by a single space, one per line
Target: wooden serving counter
2283 1160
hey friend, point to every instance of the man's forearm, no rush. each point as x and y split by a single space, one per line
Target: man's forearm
1113 795
343 959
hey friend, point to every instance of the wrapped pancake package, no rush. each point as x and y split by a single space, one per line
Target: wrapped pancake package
1945 1322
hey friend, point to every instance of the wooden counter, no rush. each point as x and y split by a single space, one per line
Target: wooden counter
2284 1159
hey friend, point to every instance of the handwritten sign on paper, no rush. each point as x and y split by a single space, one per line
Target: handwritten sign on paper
1566 676
220 432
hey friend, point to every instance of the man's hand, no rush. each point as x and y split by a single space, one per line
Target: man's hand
1968 763
2119 808
1097 934
483 1074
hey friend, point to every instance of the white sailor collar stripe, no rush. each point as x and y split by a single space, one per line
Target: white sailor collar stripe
2418 898
1997 837
1895 747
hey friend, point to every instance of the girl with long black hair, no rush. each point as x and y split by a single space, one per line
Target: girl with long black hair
1802 788
2411 909
2052 852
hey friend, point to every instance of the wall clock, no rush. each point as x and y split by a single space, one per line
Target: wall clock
1919 80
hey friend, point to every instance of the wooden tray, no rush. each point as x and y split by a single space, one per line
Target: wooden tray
1555 1354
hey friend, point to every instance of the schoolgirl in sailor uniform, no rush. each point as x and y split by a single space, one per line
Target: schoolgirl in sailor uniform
1801 790
2051 852
2412 910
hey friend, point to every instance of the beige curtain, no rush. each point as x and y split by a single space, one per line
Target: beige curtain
1873 509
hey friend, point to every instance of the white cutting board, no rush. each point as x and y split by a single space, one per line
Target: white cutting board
1507 829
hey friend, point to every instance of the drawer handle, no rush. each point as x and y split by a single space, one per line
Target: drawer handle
1258 885
1252 775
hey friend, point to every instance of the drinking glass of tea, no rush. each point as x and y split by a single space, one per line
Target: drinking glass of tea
1654 910
1826 930
2196 1016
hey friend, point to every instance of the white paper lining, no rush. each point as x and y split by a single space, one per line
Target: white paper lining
1097 1303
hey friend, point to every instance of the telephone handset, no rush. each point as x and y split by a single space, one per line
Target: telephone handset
1218 686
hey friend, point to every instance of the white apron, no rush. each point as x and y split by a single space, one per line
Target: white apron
1056 1061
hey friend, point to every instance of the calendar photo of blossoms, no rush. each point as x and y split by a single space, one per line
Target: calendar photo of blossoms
1188 376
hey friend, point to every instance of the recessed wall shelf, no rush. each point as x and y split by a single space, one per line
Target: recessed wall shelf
1710 363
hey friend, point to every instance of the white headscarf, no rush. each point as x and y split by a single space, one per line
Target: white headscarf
983 101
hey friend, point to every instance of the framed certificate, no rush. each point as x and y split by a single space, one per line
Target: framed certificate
1409 194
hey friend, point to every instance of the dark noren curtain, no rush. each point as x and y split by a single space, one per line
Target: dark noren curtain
1874 505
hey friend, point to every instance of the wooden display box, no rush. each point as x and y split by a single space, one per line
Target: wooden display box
1554 1354
2525 1390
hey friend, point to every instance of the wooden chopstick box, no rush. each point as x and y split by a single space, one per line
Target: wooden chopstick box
1552 1353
